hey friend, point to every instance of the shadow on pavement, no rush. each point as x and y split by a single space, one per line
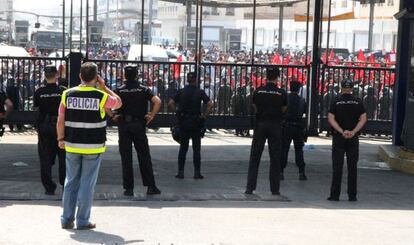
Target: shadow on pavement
225 169
96 237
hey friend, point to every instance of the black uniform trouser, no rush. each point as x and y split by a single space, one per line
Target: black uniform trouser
48 149
134 132
272 132
295 133
340 147
190 129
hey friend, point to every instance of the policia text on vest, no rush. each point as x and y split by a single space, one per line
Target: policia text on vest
81 131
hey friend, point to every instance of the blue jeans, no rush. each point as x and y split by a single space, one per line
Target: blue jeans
81 175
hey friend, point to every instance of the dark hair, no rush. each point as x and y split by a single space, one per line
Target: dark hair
88 71
272 73
191 77
131 74
295 86
50 72
50 75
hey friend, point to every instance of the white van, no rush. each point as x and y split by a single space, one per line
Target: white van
151 53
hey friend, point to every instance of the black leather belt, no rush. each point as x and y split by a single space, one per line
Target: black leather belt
130 118
50 119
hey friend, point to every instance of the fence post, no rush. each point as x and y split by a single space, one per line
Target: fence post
75 61
313 110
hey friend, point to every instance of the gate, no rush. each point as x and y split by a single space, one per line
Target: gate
230 86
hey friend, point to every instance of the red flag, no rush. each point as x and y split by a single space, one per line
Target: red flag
331 55
276 59
371 58
177 68
286 59
361 56
324 58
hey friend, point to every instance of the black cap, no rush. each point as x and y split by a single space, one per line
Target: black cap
130 72
50 69
347 83
131 68
191 77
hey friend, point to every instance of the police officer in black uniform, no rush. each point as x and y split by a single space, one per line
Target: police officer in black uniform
47 99
190 121
6 106
347 117
133 117
294 129
270 102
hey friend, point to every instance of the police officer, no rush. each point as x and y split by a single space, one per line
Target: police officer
133 117
294 129
47 99
81 130
347 117
190 121
270 102
6 106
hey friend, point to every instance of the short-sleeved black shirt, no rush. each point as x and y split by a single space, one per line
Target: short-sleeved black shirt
296 108
347 110
269 100
189 100
3 98
135 98
47 98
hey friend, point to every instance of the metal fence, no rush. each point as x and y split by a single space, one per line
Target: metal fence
229 86
21 76
374 86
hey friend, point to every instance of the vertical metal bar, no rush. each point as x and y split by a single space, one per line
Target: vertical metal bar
307 34
71 26
63 28
253 32
197 49
142 32
80 22
87 29
328 35
313 88
280 27
371 24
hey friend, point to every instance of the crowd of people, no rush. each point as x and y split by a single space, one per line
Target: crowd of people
226 77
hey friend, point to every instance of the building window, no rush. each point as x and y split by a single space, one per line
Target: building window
390 2
230 11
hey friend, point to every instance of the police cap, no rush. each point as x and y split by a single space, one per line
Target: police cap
130 71
50 69
347 83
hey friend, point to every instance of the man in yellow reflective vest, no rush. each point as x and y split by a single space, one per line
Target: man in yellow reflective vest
81 131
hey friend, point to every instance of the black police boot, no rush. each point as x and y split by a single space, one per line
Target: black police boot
248 191
180 175
281 176
302 176
49 192
153 190
333 199
129 192
276 193
197 175
352 199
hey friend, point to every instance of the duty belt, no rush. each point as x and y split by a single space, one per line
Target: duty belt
295 124
131 118
50 119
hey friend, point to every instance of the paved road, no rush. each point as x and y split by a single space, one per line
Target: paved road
214 210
